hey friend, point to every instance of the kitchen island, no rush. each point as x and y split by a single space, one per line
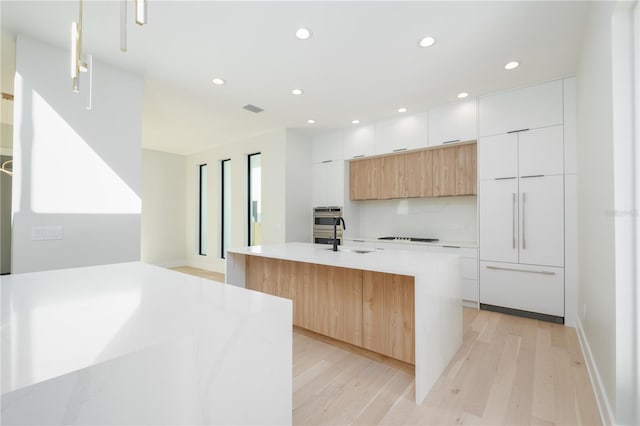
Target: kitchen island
402 304
134 343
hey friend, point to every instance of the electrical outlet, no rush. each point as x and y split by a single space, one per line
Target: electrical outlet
41 233
584 312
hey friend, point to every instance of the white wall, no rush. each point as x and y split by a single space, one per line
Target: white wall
298 187
596 255
446 218
163 208
272 145
74 168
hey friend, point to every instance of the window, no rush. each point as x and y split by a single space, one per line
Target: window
202 209
225 203
255 199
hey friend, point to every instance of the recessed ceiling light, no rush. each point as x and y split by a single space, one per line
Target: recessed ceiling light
426 42
218 81
297 92
303 33
463 95
355 121
311 121
511 65
402 109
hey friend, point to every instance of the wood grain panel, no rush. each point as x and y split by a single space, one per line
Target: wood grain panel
444 170
365 179
261 274
394 177
301 275
419 167
388 315
466 169
338 303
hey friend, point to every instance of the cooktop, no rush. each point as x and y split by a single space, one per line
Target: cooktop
413 239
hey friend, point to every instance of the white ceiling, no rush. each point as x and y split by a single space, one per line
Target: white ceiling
362 61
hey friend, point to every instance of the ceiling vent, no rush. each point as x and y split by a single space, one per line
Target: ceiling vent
252 108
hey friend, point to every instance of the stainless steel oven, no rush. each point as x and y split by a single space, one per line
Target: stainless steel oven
323 220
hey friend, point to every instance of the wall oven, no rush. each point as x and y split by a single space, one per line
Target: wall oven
323 219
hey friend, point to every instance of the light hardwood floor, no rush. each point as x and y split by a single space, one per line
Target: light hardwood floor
210 275
509 370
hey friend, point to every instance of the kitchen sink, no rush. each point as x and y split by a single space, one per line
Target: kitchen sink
350 249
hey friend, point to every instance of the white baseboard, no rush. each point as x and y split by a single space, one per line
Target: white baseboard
604 406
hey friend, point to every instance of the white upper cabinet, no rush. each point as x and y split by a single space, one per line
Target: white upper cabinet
528 108
359 141
540 151
402 133
498 156
454 122
327 183
570 125
327 147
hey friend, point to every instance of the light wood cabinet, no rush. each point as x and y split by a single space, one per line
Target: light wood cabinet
388 315
365 179
338 303
419 181
393 177
368 309
446 171
466 169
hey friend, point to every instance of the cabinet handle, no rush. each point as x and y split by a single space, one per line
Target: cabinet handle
358 241
513 222
358 156
521 270
451 246
523 222
516 131
327 161
505 178
379 248
453 141
531 176
399 149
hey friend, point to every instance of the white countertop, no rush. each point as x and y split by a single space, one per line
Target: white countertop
103 320
391 261
439 243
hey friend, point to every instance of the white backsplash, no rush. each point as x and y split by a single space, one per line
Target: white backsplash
446 218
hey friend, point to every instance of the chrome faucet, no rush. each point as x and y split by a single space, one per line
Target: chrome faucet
336 221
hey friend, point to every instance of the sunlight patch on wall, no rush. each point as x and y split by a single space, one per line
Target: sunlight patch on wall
67 176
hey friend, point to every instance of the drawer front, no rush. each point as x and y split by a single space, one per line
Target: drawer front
528 288
470 268
460 251
470 290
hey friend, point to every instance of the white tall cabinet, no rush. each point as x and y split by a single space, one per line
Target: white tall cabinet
521 201
327 170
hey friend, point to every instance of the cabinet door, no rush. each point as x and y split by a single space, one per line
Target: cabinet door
453 123
542 220
327 147
498 201
466 170
359 142
402 133
318 184
394 177
365 179
388 315
528 108
261 274
444 172
498 156
334 183
527 288
338 303
540 151
301 275
419 166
